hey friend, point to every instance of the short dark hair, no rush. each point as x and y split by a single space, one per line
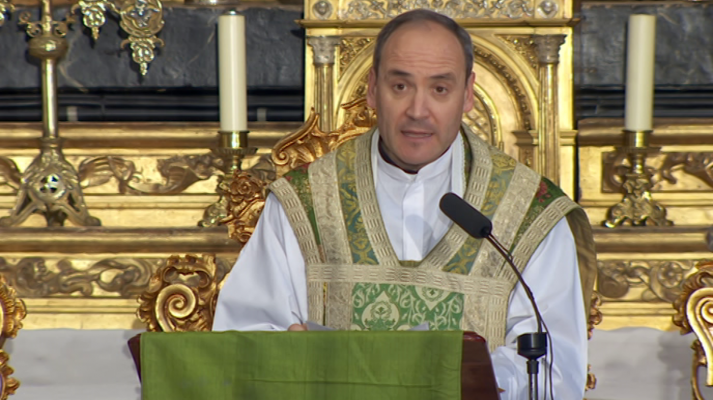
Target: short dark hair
422 15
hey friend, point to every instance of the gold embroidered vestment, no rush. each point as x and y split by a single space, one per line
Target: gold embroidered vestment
355 281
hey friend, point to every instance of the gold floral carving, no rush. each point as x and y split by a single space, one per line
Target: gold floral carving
524 46
5 7
309 143
349 48
375 9
657 280
595 318
697 164
125 277
591 383
178 172
694 313
246 199
181 295
33 279
9 384
493 62
359 117
13 312
9 173
595 314
142 20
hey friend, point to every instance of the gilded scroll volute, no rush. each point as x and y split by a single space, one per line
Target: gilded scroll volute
694 313
181 296
13 312
303 146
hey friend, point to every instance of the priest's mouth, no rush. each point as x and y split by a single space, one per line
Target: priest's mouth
416 134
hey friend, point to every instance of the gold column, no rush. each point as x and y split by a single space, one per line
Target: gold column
547 48
50 185
323 49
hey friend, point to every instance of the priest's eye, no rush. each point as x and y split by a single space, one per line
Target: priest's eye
441 90
399 87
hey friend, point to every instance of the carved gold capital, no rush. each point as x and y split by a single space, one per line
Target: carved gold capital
524 46
547 48
323 49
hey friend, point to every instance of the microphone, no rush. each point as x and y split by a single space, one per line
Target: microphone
529 345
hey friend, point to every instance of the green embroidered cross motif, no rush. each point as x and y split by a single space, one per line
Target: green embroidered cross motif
382 307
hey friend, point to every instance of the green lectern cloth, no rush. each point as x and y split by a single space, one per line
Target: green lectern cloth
339 365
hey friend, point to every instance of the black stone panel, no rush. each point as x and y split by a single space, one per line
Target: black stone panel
275 49
684 56
668 103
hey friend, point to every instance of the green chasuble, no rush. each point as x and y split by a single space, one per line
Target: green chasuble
301 365
356 282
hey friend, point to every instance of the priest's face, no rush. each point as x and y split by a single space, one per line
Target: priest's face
420 93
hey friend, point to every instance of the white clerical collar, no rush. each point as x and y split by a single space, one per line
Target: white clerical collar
454 158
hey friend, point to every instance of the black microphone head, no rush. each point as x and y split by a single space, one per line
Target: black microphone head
464 215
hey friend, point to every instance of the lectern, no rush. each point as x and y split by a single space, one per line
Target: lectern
314 365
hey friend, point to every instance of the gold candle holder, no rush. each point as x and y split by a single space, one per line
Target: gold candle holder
50 185
5 7
232 149
638 207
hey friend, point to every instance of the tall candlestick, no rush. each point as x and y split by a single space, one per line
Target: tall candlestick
640 73
232 72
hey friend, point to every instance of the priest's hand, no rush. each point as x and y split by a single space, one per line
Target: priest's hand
297 327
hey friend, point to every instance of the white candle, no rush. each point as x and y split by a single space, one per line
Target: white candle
232 84
640 72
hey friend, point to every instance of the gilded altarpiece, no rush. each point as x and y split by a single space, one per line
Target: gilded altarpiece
150 184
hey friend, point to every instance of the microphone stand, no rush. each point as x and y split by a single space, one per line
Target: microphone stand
529 345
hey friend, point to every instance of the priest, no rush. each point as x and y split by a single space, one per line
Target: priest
356 239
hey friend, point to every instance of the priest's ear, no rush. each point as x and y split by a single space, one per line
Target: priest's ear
468 96
371 89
